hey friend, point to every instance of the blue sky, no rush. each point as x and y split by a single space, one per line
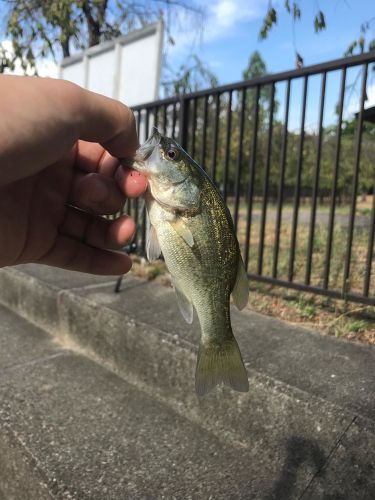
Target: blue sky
230 35
231 27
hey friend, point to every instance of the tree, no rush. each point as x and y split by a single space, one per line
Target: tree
57 28
362 44
256 67
191 76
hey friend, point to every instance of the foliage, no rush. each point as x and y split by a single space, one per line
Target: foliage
56 28
361 44
191 76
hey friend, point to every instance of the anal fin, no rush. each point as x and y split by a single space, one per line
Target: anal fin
184 304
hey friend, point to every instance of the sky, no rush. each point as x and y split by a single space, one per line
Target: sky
231 28
229 34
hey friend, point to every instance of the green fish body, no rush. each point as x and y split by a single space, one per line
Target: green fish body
192 228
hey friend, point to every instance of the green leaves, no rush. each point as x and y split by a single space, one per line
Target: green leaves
190 76
294 10
319 22
45 28
269 20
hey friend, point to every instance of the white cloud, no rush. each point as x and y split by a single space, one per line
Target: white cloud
227 13
221 18
45 67
352 107
370 96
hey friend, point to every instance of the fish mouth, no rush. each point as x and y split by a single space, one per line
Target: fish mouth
144 152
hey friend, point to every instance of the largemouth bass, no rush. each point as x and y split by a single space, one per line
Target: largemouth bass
193 229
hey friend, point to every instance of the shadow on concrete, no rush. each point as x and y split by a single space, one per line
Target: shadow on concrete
300 451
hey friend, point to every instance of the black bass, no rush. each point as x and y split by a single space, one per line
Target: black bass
193 229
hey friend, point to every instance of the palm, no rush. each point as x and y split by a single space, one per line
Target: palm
31 212
39 221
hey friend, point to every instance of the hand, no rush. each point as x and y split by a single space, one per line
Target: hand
63 157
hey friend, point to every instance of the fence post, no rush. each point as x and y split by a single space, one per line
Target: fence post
183 121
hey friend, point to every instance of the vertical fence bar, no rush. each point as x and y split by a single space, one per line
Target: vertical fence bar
310 247
216 135
250 191
370 249
156 116
174 119
204 137
165 119
144 217
227 146
335 175
136 200
266 183
183 121
349 245
297 188
193 127
280 193
239 160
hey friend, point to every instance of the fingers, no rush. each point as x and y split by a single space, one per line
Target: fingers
74 255
93 158
97 231
131 182
96 193
51 116
85 244
104 195
110 123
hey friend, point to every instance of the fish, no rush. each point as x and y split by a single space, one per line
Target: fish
192 228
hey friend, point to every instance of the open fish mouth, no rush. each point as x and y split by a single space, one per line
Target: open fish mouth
144 152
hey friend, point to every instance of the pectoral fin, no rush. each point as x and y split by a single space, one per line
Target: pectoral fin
184 304
153 250
183 231
240 292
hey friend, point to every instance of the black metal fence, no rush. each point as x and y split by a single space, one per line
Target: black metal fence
294 157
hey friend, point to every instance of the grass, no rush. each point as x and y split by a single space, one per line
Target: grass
329 316
338 253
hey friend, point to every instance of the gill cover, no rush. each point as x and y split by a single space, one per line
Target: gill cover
171 181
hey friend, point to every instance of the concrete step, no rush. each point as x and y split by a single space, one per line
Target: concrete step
299 430
70 428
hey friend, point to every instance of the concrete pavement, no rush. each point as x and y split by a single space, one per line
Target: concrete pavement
99 374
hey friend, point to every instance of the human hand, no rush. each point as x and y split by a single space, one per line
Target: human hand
64 161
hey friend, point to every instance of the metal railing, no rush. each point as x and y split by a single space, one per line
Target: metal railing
285 151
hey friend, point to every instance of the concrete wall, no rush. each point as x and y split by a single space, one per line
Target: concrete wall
126 68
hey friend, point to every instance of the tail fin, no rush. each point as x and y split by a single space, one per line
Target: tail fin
220 363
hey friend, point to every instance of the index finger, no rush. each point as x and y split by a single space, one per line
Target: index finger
108 122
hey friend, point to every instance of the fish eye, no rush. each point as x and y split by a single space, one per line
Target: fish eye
172 154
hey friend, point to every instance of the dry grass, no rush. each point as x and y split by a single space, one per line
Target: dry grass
329 316
339 244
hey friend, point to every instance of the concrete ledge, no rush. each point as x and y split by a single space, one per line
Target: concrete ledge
291 425
70 429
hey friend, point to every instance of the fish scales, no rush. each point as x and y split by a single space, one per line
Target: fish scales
192 227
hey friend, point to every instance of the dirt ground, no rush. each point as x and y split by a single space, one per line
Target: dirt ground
354 322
